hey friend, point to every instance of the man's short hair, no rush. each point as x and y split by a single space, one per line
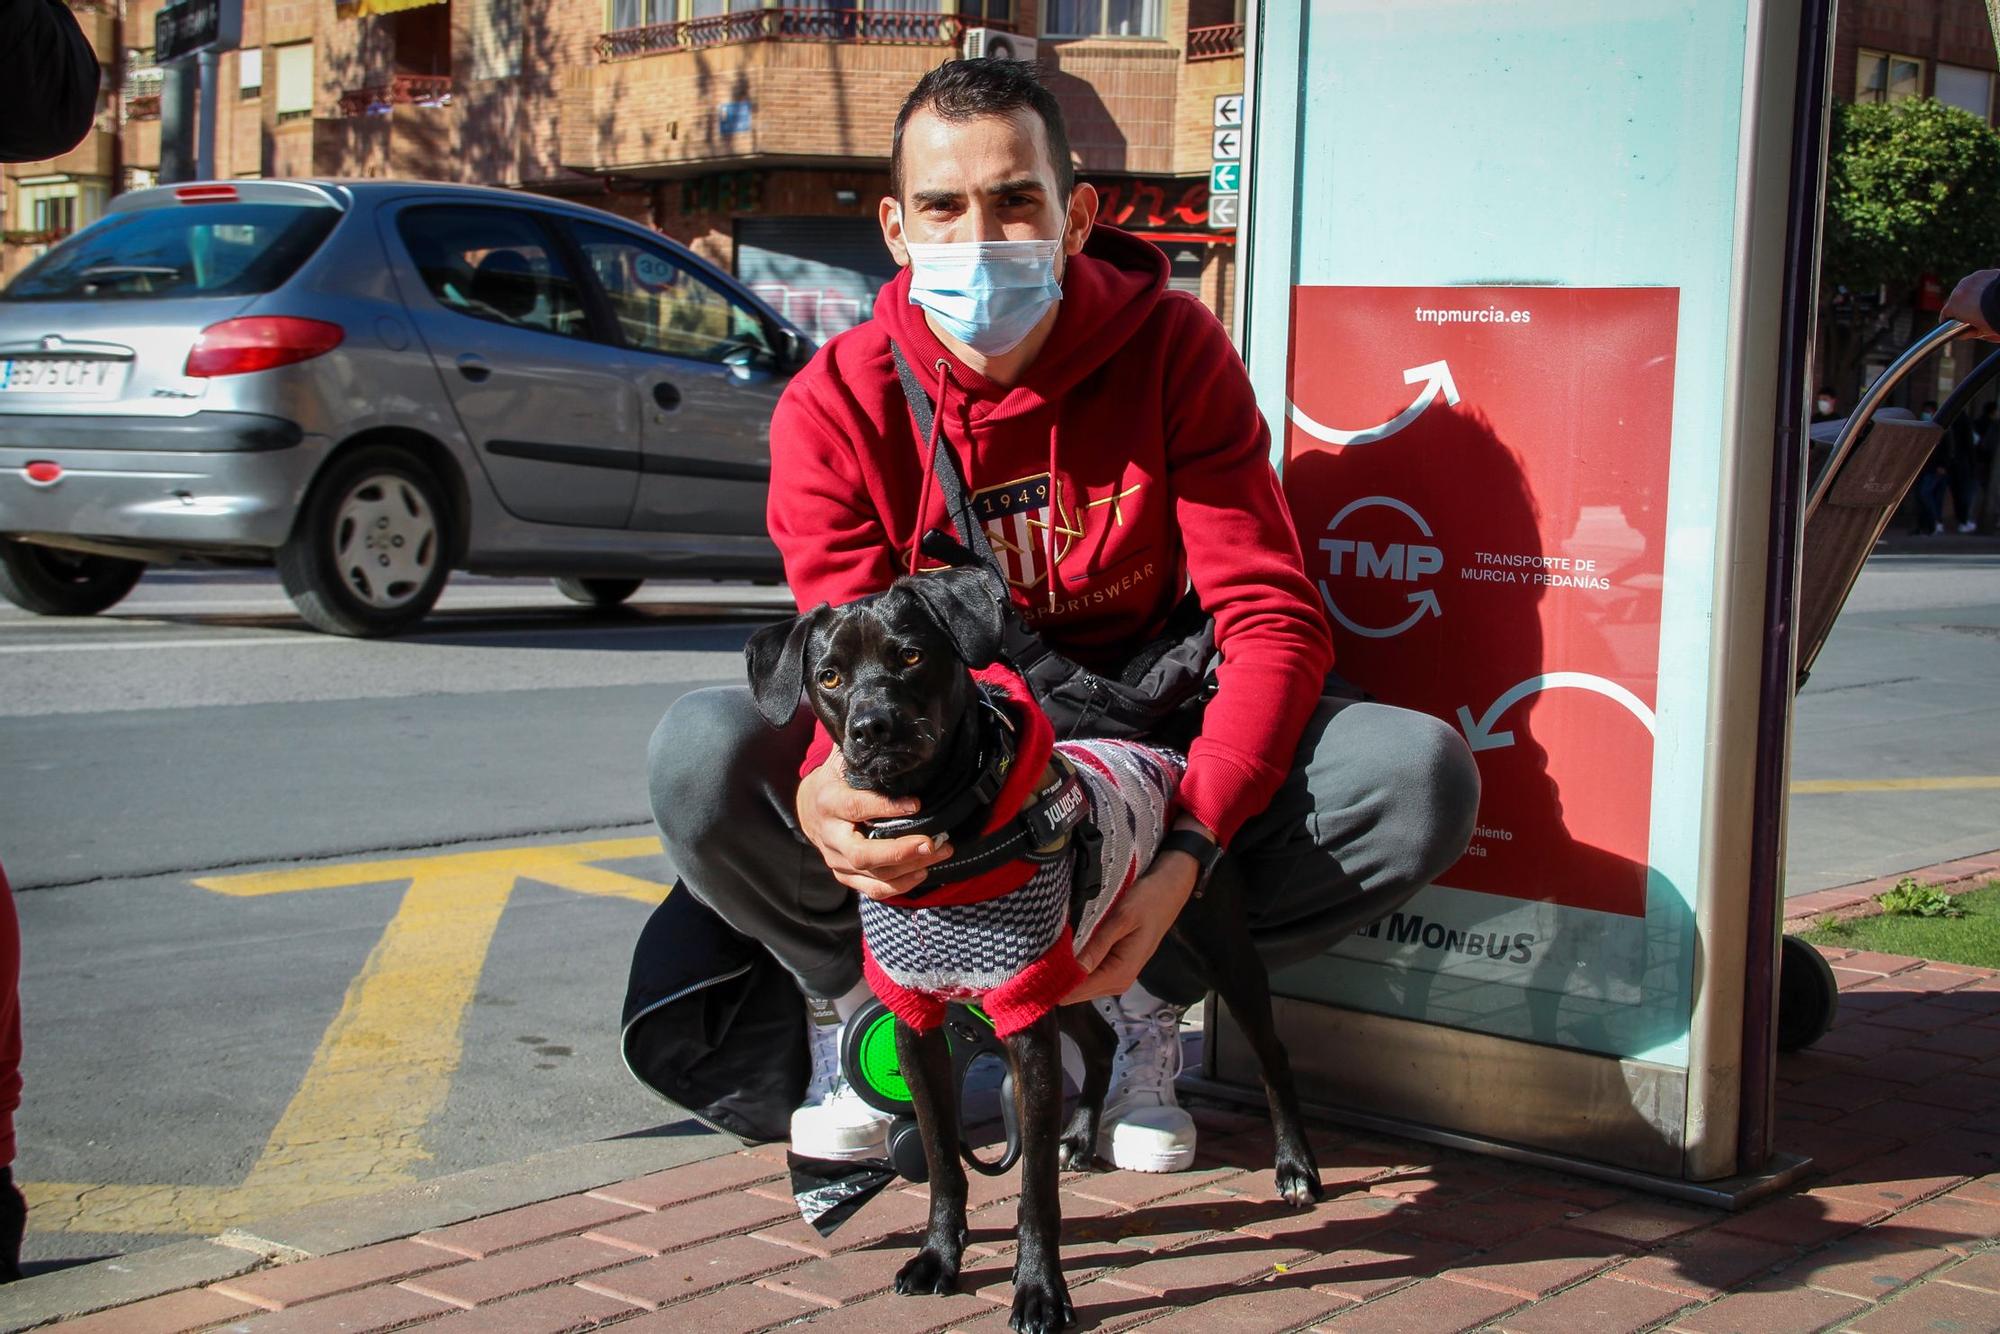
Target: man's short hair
965 89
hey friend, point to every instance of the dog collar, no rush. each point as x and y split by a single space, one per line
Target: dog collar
952 810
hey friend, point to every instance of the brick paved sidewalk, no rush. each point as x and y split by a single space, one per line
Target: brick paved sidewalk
1895 1231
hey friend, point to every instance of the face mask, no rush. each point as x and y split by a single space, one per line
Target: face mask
989 295
1825 406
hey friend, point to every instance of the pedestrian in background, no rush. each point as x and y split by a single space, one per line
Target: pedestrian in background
48 81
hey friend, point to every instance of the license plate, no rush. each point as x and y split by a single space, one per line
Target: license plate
93 376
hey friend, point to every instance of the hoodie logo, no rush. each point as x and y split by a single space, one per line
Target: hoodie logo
1026 522
1016 518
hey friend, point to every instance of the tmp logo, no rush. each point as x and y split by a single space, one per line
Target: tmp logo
1402 562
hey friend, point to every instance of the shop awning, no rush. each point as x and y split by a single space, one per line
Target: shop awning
354 9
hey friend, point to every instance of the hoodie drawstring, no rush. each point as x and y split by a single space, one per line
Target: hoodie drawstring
1055 517
930 465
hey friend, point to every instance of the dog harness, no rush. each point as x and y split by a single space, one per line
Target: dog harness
1005 933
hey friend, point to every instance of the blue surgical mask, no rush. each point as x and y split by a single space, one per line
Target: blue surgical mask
989 295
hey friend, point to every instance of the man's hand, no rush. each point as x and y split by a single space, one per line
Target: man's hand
880 868
1963 303
1134 927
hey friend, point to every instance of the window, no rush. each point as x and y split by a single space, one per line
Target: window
642 13
250 72
494 264
664 307
295 81
976 12
49 208
1883 77
1967 89
214 250
1101 18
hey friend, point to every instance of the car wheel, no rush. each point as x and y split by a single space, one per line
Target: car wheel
367 555
598 592
49 582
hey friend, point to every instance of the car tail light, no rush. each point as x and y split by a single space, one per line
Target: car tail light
259 342
206 194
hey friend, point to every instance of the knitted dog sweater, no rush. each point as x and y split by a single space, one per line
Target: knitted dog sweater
1004 938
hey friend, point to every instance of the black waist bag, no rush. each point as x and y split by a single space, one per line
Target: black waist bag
1159 693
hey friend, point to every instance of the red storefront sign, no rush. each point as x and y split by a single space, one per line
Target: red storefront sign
1479 477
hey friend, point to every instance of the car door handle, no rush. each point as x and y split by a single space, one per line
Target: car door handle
666 395
474 368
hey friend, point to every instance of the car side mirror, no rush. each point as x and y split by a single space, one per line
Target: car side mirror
794 350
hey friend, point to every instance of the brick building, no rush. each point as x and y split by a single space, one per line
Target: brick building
758 135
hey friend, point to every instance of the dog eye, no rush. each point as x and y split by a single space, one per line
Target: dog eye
829 680
912 656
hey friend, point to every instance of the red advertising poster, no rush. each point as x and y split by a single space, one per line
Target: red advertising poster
1479 477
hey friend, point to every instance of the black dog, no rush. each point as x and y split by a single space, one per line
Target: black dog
888 677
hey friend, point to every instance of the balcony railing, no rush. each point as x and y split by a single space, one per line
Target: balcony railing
142 106
33 236
422 90
881 27
1216 43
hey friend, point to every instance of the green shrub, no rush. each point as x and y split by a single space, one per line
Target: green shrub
1909 899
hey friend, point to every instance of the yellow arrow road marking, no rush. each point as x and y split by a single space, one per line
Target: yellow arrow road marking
385 1064
1969 783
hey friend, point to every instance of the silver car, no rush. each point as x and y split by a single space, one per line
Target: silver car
371 384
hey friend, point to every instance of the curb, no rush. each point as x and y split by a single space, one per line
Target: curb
1858 900
345 1225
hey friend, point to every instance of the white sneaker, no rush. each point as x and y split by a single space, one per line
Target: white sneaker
1144 1129
835 1123
1968 527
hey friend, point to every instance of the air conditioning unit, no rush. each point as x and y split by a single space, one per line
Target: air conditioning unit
997 44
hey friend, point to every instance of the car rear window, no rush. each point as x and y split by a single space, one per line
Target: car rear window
182 250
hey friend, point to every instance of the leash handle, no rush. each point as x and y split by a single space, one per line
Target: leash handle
971 1035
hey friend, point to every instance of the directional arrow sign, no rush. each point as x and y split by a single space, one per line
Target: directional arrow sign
1225 178
384 1066
1228 145
1437 380
1229 110
1222 211
1479 733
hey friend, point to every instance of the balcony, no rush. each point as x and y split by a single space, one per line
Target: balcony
880 27
677 99
1219 42
404 90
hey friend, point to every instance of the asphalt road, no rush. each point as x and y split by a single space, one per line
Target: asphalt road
245 853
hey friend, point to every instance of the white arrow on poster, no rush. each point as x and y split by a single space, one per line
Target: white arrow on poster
1480 733
1228 110
1437 380
1222 211
1228 145
1225 178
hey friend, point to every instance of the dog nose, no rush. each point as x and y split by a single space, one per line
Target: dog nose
871 728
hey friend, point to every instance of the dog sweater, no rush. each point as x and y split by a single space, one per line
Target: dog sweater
1004 938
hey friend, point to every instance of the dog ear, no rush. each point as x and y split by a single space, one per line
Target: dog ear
776 656
966 604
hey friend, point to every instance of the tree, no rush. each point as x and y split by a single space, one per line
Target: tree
1913 188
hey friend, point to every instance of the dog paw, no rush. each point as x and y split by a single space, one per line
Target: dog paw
1299 1185
927 1274
1076 1154
1041 1306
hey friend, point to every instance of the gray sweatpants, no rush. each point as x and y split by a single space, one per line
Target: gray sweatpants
1378 802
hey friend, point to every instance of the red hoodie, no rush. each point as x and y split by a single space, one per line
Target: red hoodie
1129 461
